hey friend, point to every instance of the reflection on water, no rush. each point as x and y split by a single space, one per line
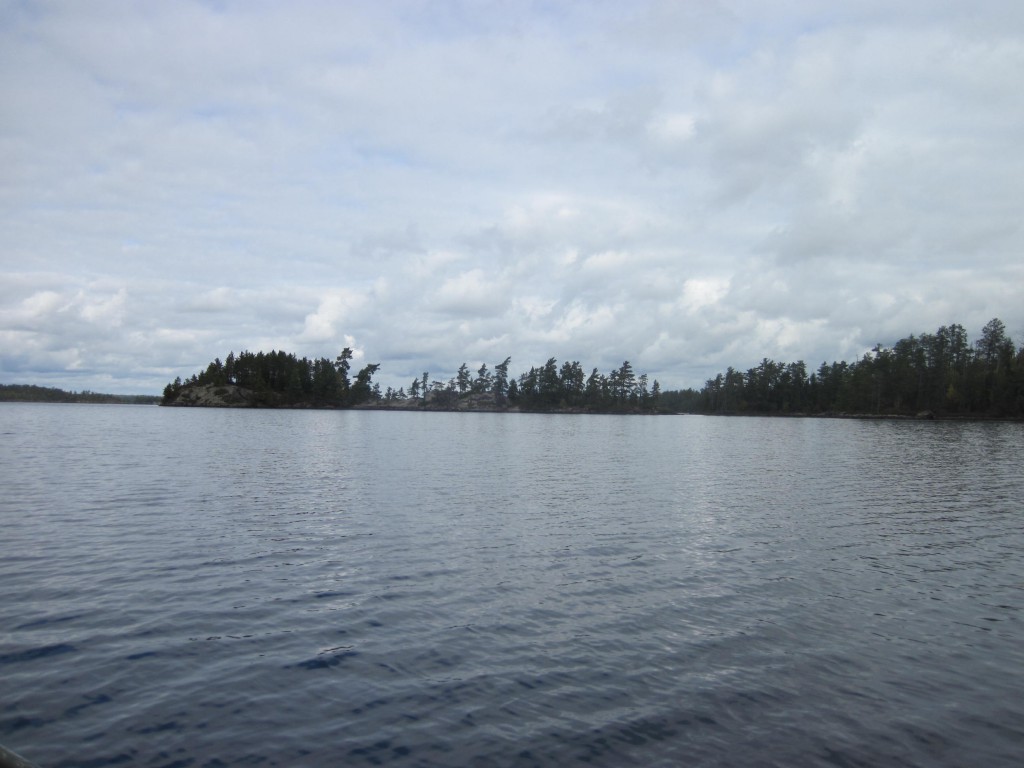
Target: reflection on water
191 587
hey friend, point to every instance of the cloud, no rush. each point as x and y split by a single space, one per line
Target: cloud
333 311
699 293
218 300
471 293
672 129
684 185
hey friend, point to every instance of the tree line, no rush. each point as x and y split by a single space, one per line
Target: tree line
30 393
549 387
281 378
940 373
937 373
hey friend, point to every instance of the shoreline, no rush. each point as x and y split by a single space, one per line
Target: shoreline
233 396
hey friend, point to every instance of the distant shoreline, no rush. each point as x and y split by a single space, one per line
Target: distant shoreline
231 396
31 393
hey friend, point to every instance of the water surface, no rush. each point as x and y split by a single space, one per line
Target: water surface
185 587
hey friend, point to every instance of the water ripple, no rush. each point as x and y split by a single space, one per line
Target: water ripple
323 588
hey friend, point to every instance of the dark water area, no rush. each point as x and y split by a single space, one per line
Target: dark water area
184 587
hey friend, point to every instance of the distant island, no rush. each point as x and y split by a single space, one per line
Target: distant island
282 380
932 375
29 393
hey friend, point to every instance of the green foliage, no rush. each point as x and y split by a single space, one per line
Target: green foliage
938 373
552 387
482 382
463 380
30 393
499 385
280 378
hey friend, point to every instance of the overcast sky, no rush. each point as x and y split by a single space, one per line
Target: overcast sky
685 185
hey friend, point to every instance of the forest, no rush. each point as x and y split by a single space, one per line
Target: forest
931 374
282 379
30 393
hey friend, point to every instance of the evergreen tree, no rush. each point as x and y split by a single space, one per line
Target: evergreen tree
342 364
463 379
482 382
500 381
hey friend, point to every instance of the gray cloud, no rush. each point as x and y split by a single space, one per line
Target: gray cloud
688 186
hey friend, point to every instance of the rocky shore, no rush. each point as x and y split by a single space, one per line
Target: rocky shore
233 396
214 396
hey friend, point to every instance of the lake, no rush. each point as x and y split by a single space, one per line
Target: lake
190 587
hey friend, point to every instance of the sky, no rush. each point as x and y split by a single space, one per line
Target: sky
684 185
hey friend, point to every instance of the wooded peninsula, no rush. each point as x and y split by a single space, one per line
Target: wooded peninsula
932 375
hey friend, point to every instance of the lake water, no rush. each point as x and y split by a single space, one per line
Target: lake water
186 587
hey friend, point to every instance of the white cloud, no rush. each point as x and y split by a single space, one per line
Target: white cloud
328 321
40 305
221 299
108 310
471 293
673 128
685 185
703 292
